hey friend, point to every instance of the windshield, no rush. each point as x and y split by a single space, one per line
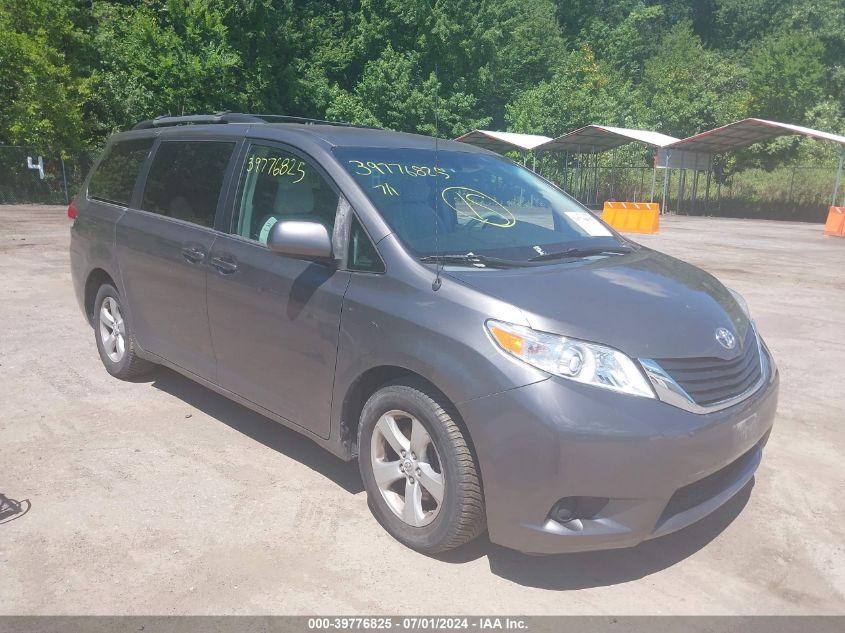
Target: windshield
455 203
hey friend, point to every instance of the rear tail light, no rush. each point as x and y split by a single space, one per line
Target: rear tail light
71 212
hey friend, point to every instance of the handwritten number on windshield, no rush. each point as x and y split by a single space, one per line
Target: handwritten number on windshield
415 171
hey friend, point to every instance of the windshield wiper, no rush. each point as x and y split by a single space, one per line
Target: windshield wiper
471 259
584 251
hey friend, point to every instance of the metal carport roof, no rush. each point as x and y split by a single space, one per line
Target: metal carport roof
501 142
737 135
746 132
595 139
600 138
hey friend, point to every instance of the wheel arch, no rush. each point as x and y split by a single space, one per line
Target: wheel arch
96 278
373 379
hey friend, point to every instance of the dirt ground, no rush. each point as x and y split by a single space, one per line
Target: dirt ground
161 497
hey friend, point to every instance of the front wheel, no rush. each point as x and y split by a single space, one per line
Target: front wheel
421 478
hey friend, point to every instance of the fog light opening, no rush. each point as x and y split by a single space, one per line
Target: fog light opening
571 509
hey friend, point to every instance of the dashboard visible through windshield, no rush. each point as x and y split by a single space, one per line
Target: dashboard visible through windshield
462 203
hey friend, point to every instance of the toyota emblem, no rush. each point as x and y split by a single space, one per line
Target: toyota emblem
726 338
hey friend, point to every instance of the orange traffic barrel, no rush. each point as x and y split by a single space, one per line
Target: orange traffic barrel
835 224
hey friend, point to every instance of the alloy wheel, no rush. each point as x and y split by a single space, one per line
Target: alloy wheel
112 330
407 468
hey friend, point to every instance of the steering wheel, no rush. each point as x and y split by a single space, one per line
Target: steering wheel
483 221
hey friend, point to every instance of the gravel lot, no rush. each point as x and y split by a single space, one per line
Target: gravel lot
161 497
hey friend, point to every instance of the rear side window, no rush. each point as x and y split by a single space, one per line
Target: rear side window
115 176
185 180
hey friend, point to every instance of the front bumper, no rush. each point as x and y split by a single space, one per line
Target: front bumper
660 467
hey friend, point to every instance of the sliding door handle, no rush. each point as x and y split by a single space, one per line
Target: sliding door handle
224 265
193 254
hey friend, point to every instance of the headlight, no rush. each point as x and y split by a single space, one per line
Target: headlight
572 359
743 304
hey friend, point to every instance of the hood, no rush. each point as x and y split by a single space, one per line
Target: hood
646 304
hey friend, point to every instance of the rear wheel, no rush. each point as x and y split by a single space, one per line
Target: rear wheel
115 340
420 474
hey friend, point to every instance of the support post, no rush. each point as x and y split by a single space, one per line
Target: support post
681 176
838 178
641 188
566 171
64 182
576 173
791 187
583 171
694 190
612 169
653 177
665 184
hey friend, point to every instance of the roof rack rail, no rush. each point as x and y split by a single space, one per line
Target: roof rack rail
234 117
284 118
198 119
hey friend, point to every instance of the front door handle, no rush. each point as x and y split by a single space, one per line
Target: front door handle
224 265
193 254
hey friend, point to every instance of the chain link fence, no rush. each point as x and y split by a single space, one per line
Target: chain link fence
54 179
793 192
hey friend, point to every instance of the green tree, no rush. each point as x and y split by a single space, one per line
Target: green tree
395 92
40 96
823 21
689 88
164 58
583 91
786 77
266 36
518 45
72 71
738 23
629 42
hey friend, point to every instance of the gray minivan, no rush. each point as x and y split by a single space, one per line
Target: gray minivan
493 355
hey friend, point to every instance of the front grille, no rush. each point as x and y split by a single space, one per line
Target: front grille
712 380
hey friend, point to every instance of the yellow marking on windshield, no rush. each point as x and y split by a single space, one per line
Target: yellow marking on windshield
368 168
477 203
386 189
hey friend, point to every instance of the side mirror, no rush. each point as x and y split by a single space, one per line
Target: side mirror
301 240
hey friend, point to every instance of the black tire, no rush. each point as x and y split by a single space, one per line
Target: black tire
461 516
130 365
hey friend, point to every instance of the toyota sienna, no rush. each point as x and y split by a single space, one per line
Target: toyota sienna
493 355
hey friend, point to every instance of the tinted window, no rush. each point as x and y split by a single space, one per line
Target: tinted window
185 180
117 172
362 254
276 185
453 202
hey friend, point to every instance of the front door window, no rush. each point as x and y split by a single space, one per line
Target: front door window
277 185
